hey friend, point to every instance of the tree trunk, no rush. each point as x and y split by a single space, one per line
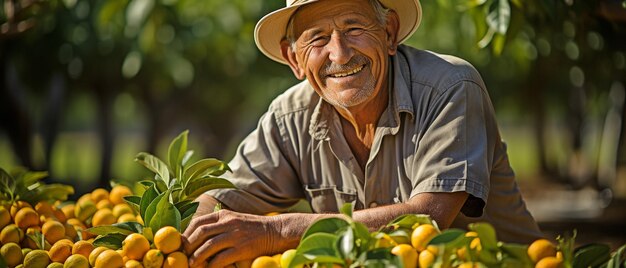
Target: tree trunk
105 131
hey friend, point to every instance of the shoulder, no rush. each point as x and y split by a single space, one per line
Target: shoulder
435 70
299 98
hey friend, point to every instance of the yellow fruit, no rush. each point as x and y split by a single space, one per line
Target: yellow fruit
140 220
126 218
53 231
26 217
104 204
135 246
421 235
12 254
121 209
133 264
76 261
103 217
407 254
84 210
94 255
549 262
426 258
37 258
5 217
468 265
287 257
11 233
17 206
83 248
153 259
68 211
167 239
55 265
59 215
99 194
60 251
116 196
540 249
265 262
84 198
109 259
70 231
44 208
176 260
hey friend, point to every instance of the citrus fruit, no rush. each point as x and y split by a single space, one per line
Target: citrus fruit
37 258
17 206
540 249
265 262
121 209
426 258
99 194
11 233
60 251
421 235
153 259
549 262
26 217
135 246
12 254
82 247
53 231
103 217
84 209
468 265
94 255
44 208
104 204
167 239
133 264
407 254
116 196
287 257
70 231
109 259
76 261
5 217
55 265
126 218
68 211
176 260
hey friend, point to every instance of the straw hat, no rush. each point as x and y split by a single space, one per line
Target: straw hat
270 30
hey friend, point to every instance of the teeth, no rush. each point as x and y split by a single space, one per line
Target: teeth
348 73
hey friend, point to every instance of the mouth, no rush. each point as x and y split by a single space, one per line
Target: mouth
348 73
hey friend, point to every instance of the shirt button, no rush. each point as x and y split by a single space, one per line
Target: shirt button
373 205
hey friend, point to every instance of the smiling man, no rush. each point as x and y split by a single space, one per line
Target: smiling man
389 128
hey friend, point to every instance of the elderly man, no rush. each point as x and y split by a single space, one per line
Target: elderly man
389 128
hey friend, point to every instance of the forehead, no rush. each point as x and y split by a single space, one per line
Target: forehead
326 11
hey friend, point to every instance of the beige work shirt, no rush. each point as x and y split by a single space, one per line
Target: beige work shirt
438 134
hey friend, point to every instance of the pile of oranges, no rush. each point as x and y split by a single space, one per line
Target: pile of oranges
56 235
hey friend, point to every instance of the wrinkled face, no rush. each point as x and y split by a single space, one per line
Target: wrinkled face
343 50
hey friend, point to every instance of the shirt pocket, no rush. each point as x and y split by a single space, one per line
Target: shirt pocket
329 198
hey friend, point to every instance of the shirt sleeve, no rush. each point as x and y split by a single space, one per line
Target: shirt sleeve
264 177
455 149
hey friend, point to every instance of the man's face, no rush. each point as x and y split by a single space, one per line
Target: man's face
342 49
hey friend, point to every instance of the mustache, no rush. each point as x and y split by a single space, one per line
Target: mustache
333 68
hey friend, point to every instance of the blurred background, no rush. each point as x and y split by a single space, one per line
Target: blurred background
87 84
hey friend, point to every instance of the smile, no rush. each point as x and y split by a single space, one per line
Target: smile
356 70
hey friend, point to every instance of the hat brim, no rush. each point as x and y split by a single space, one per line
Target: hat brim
270 30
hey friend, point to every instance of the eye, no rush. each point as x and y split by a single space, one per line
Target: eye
318 41
354 31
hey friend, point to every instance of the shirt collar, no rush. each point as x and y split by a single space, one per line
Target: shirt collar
400 101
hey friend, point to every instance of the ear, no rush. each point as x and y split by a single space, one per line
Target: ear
290 56
392 28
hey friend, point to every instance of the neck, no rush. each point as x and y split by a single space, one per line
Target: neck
363 118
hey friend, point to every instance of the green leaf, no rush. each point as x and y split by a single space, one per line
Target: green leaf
379 257
487 235
346 209
151 209
187 157
38 238
591 255
112 241
146 199
327 225
134 202
318 247
362 235
499 16
124 228
7 185
166 214
48 192
409 220
517 251
189 209
346 243
32 177
198 186
449 237
176 153
155 165
204 167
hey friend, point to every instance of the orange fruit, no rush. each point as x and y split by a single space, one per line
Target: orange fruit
421 235
82 247
5 217
11 233
85 209
55 265
84 198
540 249
70 231
116 196
426 258
468 265
109 259
60 251
59 215
176 260
167 239
53 231
153 259
44 208
126 218
265 262
68 211
76 261
36 258
549 262
121 209
94 255
407 254
133 264
99 194
103 217
135 246
26 217
17 206
104 204
12 254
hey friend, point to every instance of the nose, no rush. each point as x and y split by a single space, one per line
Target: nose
339 51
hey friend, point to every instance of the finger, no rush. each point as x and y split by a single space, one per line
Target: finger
226 257
198 221
209 248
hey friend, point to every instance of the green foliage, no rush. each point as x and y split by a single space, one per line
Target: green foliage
25 185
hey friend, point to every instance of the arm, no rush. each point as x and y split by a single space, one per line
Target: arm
214 236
